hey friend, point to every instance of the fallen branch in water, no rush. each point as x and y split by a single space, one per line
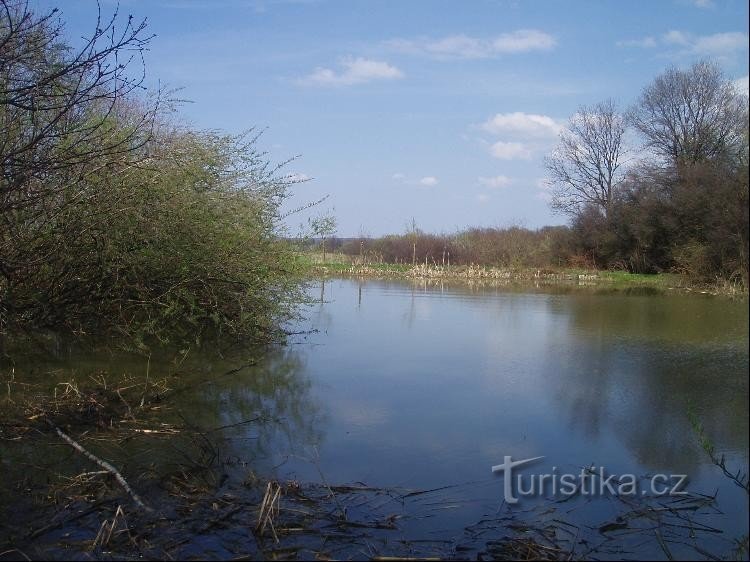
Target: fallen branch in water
104 464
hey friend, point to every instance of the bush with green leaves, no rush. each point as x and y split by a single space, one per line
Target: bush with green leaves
116 220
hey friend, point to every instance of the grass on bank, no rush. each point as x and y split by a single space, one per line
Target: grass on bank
341 265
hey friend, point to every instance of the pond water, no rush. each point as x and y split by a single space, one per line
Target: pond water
423 385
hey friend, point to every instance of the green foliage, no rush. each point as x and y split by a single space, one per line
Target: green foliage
118 222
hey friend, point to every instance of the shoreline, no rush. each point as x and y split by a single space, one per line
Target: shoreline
495 276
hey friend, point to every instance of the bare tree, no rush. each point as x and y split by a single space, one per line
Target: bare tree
692 115
62 109
586 168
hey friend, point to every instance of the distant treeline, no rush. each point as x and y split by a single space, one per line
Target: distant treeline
505 247
661 187
117 219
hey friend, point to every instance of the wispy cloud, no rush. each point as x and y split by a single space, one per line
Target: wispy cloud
425 181
495 182
675 37
644 43
522 124
510 151
719 43
353 71
467 47
543 189
208 5
543 184
684 43
545 196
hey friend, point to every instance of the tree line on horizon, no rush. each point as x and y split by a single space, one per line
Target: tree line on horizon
660 187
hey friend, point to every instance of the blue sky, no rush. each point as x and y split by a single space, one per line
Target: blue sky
432 110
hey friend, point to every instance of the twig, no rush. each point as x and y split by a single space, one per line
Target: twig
15 550
104 464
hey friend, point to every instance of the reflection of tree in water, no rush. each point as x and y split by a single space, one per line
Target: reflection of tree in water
618 376
206 392
274 392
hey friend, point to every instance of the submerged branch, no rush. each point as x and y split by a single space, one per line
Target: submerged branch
102 463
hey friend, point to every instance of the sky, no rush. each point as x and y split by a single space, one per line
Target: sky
440 112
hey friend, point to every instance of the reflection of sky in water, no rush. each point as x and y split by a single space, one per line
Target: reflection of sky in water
423 387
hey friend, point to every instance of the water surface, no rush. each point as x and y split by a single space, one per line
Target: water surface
423 385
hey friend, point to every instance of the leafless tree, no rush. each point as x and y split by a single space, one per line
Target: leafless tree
586 168
62 110
692 115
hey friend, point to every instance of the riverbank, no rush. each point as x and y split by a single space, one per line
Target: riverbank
335 266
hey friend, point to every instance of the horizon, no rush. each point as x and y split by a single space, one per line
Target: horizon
421 111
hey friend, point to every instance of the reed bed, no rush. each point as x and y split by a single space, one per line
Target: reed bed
469 272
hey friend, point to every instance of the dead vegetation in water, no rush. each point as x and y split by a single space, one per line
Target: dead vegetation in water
129 406
87 418
276 520
201 509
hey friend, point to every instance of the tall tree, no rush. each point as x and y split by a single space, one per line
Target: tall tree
586 168
689 116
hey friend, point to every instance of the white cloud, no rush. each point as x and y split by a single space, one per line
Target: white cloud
483 197
715 45
510 151
675 37
426 181
720 43
467 47
495 182
644 43
742 85
525 124
354 71
522 41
